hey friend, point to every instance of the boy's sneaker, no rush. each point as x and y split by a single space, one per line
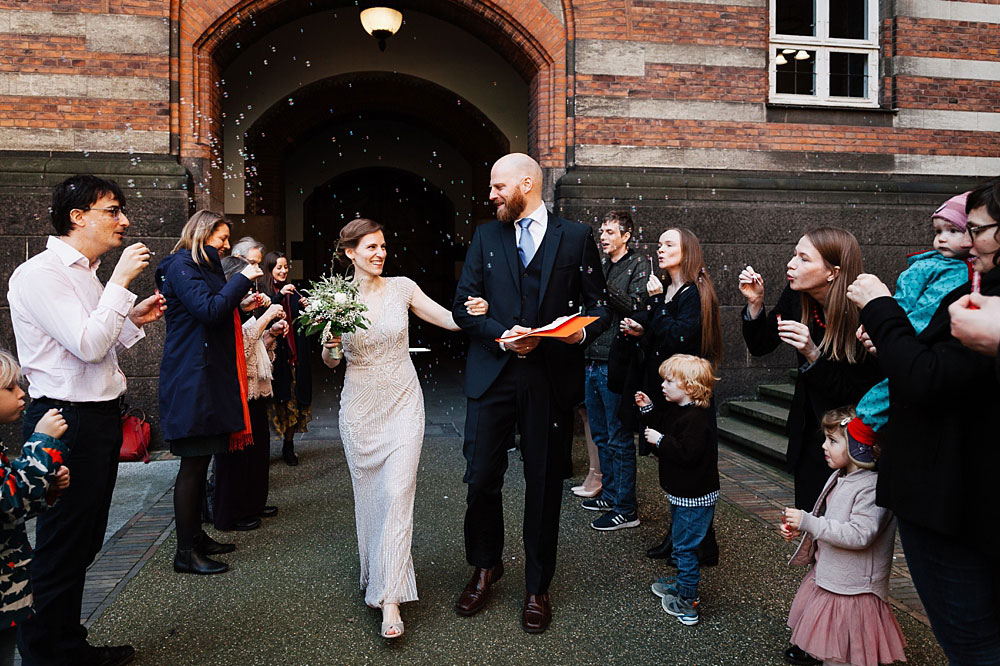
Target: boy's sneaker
665 587
613 520
685 610
596 504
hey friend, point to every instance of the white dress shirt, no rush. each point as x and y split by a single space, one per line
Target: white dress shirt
67 325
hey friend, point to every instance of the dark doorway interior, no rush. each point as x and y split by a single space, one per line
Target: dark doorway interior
417 217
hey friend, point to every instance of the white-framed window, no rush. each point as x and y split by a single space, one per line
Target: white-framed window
824 52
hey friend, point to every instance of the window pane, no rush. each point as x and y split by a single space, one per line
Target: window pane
795 17
848 74
848 19
797 74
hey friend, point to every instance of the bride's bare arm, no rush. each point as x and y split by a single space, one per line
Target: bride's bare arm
430 311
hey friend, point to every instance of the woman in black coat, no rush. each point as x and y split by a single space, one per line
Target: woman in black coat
940 454
814 317
202 403
291 409
681 318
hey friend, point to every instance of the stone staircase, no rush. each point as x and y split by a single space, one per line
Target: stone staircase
759 424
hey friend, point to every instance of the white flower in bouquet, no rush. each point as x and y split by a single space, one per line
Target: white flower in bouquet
334 308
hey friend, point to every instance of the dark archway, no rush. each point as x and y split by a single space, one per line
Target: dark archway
414 212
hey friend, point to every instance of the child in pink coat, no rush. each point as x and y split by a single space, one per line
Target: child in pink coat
840 614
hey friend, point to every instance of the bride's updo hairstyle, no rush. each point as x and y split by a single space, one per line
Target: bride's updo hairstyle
352 233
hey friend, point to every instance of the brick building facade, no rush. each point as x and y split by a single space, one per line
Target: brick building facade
746 120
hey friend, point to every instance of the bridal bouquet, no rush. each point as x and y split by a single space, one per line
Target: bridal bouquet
334 309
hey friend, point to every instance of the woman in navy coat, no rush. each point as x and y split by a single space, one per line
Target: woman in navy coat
201 403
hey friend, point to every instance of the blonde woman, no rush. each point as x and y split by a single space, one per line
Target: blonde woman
203 408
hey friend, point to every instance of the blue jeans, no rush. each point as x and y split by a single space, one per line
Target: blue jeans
687 530
960 592
615 444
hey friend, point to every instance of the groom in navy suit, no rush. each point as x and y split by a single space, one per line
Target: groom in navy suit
532 268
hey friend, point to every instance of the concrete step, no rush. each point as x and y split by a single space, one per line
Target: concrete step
778 392
760 413
755 438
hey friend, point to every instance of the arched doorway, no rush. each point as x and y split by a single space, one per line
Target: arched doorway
413 211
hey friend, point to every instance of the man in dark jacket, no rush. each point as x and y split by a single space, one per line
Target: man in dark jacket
532 268
626 276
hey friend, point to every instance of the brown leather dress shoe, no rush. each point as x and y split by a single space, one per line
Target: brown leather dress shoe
477 591
537 613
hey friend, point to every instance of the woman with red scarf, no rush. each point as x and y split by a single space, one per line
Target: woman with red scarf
291 409
203 379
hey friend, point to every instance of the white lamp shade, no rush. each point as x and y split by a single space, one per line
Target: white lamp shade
381 18
781 60
802 55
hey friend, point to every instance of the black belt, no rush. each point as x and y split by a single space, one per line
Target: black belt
104 404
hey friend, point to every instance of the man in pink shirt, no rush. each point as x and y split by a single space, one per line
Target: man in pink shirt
69 329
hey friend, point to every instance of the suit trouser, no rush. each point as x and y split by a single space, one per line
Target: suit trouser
522 394
70 534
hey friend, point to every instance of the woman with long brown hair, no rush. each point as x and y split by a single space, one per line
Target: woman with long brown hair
382 419
814 317
681 317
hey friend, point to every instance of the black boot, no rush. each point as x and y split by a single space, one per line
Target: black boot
288 453
191 561
206 545
663 550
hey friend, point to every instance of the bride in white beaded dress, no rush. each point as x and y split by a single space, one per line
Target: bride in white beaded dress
382 419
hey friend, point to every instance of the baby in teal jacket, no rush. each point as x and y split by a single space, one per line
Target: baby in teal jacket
919 290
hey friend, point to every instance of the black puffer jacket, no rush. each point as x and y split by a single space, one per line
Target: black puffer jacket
940 452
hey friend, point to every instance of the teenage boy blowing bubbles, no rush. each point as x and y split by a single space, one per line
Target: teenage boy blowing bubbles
681 435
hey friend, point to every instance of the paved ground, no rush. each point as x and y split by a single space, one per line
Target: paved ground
292 595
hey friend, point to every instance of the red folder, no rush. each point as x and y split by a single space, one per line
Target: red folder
560 328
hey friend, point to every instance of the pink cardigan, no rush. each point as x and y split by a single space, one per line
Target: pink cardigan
854 553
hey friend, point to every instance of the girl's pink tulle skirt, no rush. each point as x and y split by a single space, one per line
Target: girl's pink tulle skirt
857 629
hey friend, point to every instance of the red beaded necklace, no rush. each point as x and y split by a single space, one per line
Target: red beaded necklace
815 315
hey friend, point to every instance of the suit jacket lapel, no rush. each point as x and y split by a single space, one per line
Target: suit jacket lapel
508 240
552 235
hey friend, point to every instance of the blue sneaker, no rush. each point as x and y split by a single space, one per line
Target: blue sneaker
665 587
596 504
685 610
613 520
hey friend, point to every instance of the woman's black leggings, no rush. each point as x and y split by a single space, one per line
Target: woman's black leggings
189 493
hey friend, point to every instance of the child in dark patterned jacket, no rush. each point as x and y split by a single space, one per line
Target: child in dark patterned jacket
28 485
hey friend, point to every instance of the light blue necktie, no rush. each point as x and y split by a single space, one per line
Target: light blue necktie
526 246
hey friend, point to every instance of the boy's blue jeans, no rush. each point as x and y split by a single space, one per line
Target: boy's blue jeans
615 444
688 529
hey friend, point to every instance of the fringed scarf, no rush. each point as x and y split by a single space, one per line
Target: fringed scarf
244 438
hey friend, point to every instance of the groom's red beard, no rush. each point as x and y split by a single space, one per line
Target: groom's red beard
512 207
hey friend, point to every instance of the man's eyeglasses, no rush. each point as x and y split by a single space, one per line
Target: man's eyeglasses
974 230
116 211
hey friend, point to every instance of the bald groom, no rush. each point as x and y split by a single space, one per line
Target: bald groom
531 267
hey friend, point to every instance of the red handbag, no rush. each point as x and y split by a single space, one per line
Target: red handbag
135 437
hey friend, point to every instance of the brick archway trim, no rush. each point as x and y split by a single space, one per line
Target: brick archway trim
529 35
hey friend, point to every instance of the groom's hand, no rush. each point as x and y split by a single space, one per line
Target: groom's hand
524 345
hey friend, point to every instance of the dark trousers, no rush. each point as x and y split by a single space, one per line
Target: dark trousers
811 474
960 591
521 395
70 534
241 477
